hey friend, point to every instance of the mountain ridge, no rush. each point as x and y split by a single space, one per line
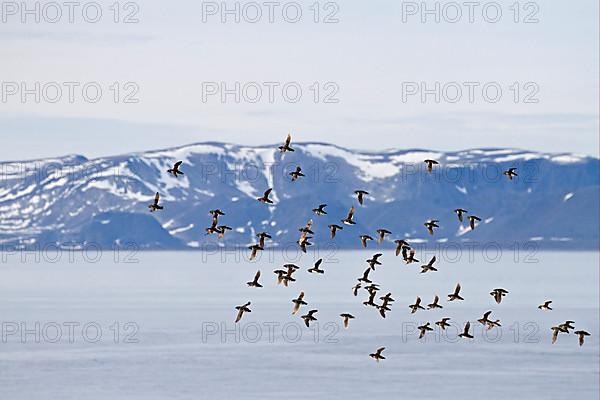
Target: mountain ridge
73 199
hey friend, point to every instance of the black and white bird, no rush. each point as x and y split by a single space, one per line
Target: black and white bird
374 260
429 266
430 225
262 236
466 333
349 219
175 170
510 173
310 317
417 306
315 269
498 294
297 174
254 249
377 355
430 164
423 329
320 210
582 335
382 233
364 239
255 283
346 319
365 277
241 310
456 294
286 144
546 306
459 213
472 220
360 195
298 303
443 323
556 330
400 244
333 228
408 254
435 304
265 198
155 206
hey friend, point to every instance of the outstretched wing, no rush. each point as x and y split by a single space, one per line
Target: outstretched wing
156 198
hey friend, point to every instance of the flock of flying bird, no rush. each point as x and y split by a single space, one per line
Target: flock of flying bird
286 275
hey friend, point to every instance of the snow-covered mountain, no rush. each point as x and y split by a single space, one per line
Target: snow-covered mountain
71 201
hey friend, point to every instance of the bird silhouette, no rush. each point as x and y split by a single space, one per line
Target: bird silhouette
423 329
286 144
265 198
364 239
435 304
429 266
400 244
315 269
382 233
466 333
456 294
431 224
241 310
459 213
472 220
417 306
310 317
255 283
377 355
333 228
349 219
510 173
298 303
360 195
175 170
155 206
430 164
443 323
320 210
346 319
297 174
546 306
374 260
498 294
582 335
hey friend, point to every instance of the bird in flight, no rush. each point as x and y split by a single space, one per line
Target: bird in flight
297 174
286 144
308 318
365 277
582 335
175 170
254 249
346 319
443 323
556 330
333 228
459 213
417 306
373 261
298 303
241 310
456 294
466 333
498 294
320 210
472 220
348 220
429 266
155 206
435 303
431 224
423 329
410 257
360 195
510 173
364 239
262 236
400 244
265 198
430 164
546 306
255 283
315 269
377 355
382 233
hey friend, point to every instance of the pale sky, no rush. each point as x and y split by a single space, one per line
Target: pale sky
367 58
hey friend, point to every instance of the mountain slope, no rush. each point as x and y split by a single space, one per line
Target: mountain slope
71 201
